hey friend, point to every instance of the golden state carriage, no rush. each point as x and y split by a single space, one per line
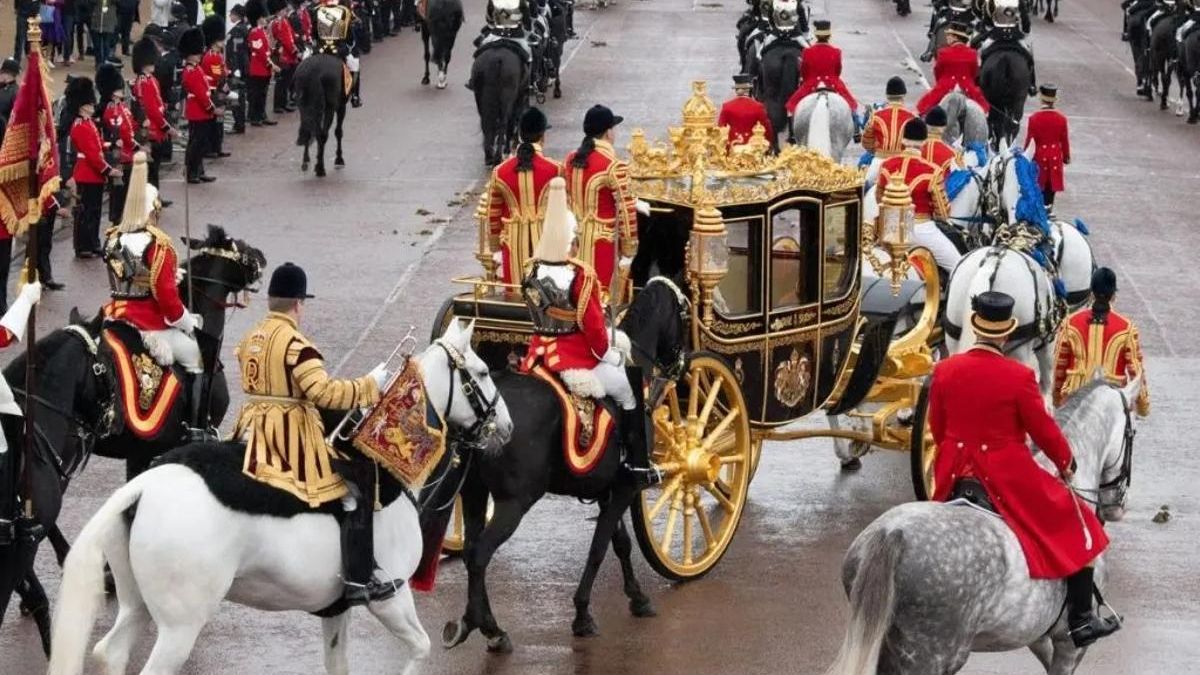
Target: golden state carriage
782 322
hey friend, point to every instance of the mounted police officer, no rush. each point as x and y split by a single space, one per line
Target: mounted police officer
286 387
332 23
982 406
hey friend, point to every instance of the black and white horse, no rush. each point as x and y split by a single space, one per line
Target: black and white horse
439 28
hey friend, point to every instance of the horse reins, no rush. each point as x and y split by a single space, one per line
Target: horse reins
1125 477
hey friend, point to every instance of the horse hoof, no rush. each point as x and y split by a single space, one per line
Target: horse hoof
320 172
303 167
853 464
499 644
454 633
558 93
425 80
441 85
26 610
642 608
584 627
1194 119
339 162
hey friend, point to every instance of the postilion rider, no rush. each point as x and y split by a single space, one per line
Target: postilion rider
570 336
1099 342
286 386
980 433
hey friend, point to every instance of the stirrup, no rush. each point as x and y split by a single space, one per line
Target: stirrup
356 594
644 476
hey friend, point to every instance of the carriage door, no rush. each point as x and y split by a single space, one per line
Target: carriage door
793 296
841 273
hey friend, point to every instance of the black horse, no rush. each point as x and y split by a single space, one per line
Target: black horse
777 75
548 58
75 403
439 28
1164 52
1051 7
1139 45
500 80
320 84
1189 75
1005 78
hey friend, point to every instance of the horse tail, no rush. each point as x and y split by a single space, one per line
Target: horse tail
82 591
872 602
309 98
818 127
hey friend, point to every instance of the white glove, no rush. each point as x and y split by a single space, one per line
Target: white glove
17 316
612 357
380 375
498 257
187 323
643 207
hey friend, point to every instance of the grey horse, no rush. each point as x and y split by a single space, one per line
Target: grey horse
823 122
966 121
930 582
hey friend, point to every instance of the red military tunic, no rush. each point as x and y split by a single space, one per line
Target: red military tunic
1048 128
981 407
306 27
90 166
164 306
601 197
956 66
119 120
584 348
516 206
740 114
260 52
199 106
285 39
1085 348
884 134
213 65
941 154
821 65
925 180
146 91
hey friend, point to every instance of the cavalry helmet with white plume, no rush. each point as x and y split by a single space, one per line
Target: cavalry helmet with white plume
558 229
141 200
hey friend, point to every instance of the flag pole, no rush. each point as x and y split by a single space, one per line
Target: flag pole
31 257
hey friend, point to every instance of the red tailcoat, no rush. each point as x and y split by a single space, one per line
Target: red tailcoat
1048 128
740 114
820 64
164 304
516 206
90 166
956 66
584 348
199 106
146 91
981 407
941 154
119 120
601 197
260 52
285 38
884 134
1112 348
925 180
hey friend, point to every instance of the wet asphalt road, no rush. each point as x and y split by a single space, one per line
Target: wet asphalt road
382 237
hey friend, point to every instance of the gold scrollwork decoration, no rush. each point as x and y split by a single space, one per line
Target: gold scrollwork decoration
732 329
149 375
793 378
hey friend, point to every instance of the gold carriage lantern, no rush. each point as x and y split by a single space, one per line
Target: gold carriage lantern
893 229
708 253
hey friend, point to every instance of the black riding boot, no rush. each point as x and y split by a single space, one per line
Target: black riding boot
360 586
356 90
198 422
1086 626
634 439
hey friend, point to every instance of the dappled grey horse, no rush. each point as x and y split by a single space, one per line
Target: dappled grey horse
929 583
965 121
823 121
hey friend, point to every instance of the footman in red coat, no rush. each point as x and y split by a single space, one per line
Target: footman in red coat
742 112
982 405
821 66
1048 130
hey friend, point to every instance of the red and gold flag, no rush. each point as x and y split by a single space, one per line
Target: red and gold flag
29 146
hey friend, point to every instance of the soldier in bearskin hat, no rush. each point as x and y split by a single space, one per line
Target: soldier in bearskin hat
198 108
262 64
91 170
117 129
151 110
217 72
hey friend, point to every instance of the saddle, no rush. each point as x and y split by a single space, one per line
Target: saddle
1002 39
148 392
510 44
971 490
588 423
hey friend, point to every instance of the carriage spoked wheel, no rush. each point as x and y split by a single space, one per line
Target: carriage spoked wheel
453 543
921 449
703 447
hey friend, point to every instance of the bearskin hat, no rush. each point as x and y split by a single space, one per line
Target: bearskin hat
896 87
145 53
79 92
276 6
109 80
191 42
213 28
255 10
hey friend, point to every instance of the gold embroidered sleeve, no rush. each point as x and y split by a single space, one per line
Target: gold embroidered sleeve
315 385
626 207
1063 358
941 202
1137 365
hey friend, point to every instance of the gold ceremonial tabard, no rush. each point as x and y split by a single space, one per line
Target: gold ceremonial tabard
284 378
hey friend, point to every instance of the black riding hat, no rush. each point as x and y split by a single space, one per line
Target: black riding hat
80 91
600 119
822 28
11 66
108 81
936 117
191 42
916 131
1104 283
991 314
743 80
1048 92
533 123
896 87
213 28
288 281
145 53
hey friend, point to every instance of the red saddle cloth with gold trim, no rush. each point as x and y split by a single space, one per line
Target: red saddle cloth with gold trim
148 391
587 424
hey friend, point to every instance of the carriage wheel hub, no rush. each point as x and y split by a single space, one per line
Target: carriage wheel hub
702 466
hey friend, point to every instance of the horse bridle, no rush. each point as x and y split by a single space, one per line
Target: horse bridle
673 369
244 260
484 409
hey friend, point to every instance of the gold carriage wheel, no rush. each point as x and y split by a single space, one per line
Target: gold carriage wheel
702 444
921 448
453 543
756 445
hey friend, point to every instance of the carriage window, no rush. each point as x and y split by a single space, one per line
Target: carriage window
840 249
794 242
738 293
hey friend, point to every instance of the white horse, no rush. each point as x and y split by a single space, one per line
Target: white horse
176 550
824 122
930 582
